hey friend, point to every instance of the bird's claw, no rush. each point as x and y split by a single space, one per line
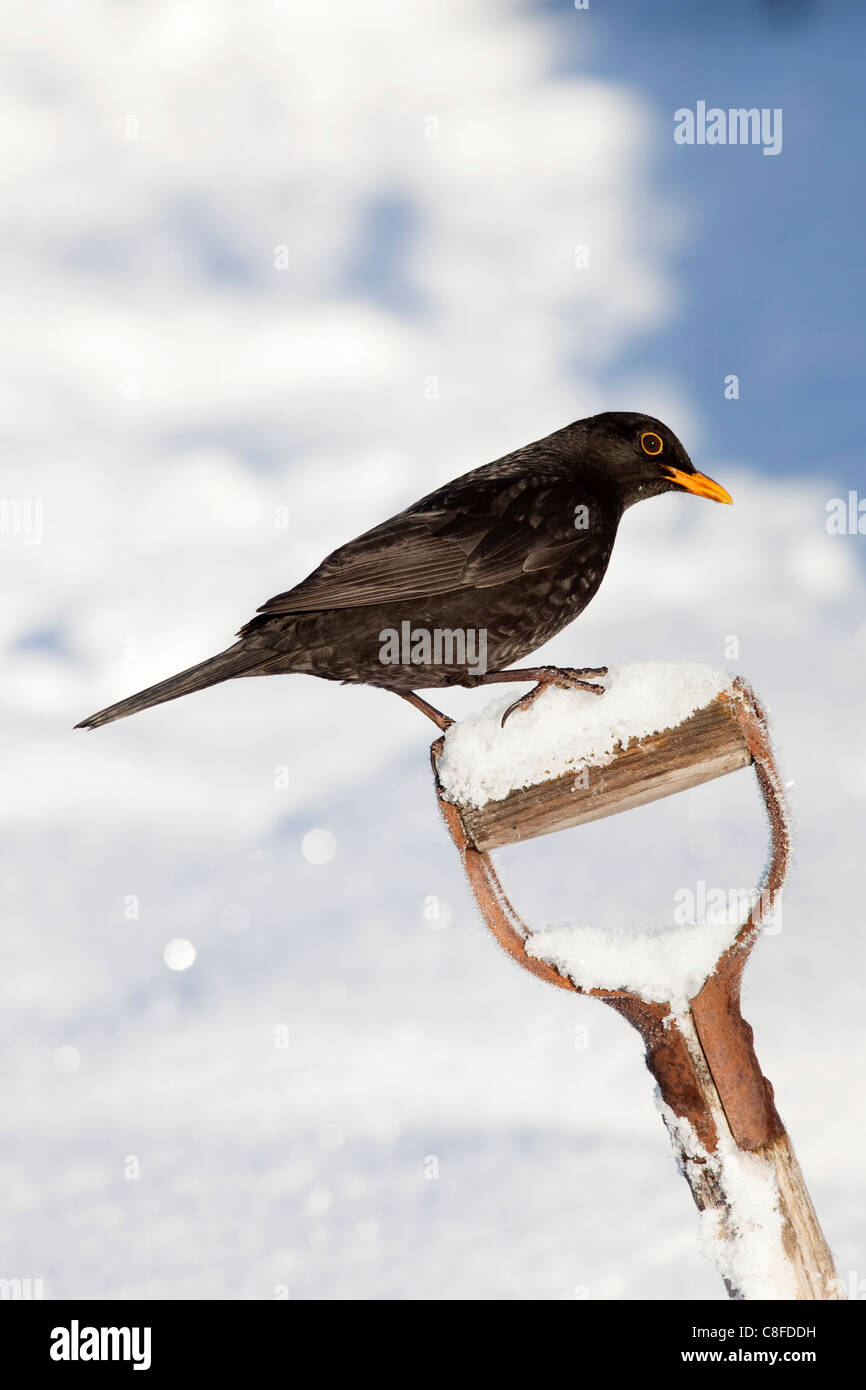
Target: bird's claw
565 678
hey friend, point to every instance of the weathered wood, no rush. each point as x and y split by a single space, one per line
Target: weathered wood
805 1246
806 1261
708 745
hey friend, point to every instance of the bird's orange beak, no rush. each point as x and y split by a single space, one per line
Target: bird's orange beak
699 484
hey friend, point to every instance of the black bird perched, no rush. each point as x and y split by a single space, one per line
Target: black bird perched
469 579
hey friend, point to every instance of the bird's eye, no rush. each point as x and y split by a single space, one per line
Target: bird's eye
651 443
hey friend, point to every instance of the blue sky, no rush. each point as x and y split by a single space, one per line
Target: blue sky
773 279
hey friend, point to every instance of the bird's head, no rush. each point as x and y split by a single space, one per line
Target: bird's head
640 457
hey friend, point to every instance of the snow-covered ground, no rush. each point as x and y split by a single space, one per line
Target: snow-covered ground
350 1092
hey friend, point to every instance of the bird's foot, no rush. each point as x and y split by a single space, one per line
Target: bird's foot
442 721
565 677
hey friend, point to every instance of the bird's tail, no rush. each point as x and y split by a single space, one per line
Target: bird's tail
235 661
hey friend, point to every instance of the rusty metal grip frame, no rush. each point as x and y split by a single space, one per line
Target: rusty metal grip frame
725 1038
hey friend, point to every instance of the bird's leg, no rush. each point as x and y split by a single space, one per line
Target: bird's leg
566 677
439 719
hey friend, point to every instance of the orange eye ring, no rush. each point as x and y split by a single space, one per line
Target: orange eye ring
651 443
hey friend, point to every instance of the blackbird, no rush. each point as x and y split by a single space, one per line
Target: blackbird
471 578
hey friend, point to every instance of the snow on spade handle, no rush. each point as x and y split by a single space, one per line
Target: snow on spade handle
574 757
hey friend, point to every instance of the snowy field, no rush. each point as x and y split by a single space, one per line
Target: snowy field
344 1096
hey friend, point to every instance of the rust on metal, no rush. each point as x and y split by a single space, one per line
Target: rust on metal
725 1037
727 1043
670 1062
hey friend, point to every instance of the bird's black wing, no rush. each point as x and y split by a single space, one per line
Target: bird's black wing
485 534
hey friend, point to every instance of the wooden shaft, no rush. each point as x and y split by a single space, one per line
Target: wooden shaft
804 1266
